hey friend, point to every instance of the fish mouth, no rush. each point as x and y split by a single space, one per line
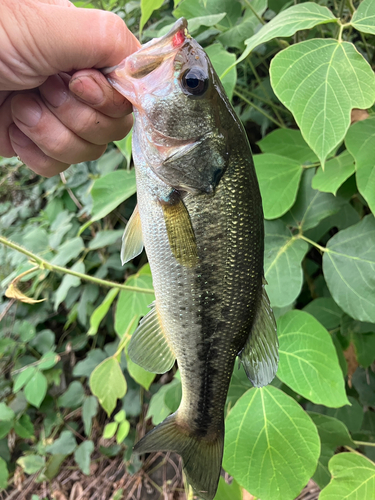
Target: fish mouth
146 60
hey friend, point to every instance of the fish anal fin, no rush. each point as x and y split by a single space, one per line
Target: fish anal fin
149 347
260 353
201 457
132 241
180 232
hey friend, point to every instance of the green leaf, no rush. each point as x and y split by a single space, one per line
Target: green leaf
349 269
107 383
271 445
239 384
105 239
31 463
197 8
311 205
365 348
158 409
332 433
109 191
36 389
351 416
210 20
326 311
6 413
125 146
120 416
283 255
278 179
26 330
123 431
64 445
101 311
227 491
360 141
110 430
308 360
353 478
68 251
141 376
24 427
320 81
147 8
89 410
5 427
364 17
85 367
131 304
73 396
288 22
335 173
3 474
221 59
48 360
67 283
82 456
364 383
289 143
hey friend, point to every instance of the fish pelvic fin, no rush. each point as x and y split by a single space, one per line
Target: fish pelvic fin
201 456
260 355
180 232
132 240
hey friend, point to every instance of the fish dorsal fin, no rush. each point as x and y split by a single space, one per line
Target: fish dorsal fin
132 241
149 347
260 354
180 232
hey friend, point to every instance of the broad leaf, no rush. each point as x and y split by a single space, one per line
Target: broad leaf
278 181
289 143
3 474
73 396
321 81
351 416
110 190
299 17
101 311
335 173
64 445
353 478
360 141
364 383
308 360
221 59
197 8
364 17
349 269
105 239
271 445
89 410
141 376
311 205
6 413
68 251
226 491
82 456
282 263
67 283
31 463
165 401
36 389
326 311
364 344
107 383
332 433
147 8
24 427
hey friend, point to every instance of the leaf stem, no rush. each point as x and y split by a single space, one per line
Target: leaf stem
44 264
241 96
260 19
363 443
266 101
313 243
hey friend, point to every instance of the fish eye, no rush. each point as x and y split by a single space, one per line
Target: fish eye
194 82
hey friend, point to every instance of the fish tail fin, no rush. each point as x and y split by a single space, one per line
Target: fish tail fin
201 456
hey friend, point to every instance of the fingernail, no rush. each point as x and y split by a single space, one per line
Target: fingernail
55 91
19 137
87 89
27 111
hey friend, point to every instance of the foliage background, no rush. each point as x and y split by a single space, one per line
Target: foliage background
66 380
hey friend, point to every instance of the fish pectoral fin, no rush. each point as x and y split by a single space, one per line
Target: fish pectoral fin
260 354
132 241
149 347
201 458
180 232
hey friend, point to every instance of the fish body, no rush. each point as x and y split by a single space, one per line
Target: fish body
200 218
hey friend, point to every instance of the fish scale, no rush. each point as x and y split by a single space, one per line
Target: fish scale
200 218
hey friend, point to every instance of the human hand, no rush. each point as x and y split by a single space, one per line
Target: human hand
48 117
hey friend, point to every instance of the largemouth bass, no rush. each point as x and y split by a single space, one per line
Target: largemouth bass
200 219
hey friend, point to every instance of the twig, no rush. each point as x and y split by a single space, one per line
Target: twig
70 192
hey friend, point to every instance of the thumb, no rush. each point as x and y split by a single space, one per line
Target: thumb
52 38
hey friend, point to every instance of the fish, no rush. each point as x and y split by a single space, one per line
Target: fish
199 217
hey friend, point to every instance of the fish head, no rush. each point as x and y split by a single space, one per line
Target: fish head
180 107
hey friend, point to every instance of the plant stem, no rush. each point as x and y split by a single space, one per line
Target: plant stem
258 109
266 101
313 243
260 19
341 9
44 264
363 443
